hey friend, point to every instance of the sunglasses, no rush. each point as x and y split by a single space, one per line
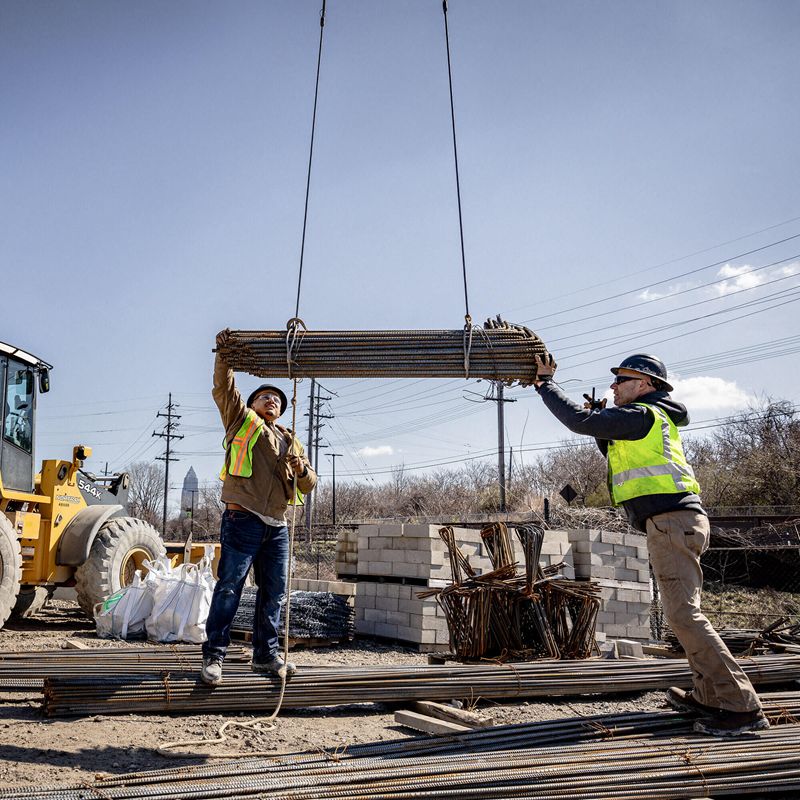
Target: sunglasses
622 378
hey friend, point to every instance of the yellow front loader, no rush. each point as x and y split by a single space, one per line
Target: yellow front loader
62 526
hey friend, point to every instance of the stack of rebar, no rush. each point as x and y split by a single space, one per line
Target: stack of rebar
313 687
610 757
314 615
782 636
498 351
27 669
504 615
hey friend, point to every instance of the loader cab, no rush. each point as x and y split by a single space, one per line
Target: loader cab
19 372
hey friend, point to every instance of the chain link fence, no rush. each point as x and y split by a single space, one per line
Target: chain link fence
751 579
315 552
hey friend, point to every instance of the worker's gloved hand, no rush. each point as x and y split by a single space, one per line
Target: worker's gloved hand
296 464
594 405
223 337
545 369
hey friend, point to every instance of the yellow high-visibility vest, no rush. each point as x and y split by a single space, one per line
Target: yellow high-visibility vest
240 459
655 464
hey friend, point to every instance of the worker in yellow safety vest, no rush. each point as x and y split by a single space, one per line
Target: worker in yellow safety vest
262 462
649 476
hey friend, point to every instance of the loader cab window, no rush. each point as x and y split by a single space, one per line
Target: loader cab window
18 427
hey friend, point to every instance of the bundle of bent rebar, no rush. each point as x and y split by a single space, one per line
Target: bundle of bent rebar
615 756
315 686
499 351
503 615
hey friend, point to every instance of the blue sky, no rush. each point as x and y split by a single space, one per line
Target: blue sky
625 167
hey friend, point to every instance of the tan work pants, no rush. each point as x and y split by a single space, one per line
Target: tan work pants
676 540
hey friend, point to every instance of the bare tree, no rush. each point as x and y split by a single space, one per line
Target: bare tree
146 495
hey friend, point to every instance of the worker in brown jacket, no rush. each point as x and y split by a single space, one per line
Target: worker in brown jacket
262 460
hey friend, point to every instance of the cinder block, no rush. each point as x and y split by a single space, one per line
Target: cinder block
630 648
365 627
627 574
401 569
383 629
406 634
612 537
391 529
397 618
391 589
611 630
386 603
374 615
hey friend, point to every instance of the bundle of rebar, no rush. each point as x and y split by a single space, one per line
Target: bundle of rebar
314 687
616 756
782 636
498 351
27 669
503 615
313 615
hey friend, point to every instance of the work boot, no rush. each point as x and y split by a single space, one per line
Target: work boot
274 666
732 723
212 670
686 702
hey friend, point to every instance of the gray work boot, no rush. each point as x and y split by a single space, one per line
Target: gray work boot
274 666
212 671
732 723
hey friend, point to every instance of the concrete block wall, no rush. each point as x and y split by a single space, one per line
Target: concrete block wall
618 563
347 553
393 610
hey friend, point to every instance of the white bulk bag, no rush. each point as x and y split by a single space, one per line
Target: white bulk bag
124 613
181 600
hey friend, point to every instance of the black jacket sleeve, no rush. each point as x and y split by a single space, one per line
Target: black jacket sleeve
627 422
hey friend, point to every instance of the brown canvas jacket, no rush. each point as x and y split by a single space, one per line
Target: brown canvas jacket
269 489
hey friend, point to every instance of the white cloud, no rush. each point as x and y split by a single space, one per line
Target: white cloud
380 450
667 291
708 393
740 278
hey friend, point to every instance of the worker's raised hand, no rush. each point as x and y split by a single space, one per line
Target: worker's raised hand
592 404
545 369
223 337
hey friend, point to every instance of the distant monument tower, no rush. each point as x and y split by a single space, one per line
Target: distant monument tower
189 491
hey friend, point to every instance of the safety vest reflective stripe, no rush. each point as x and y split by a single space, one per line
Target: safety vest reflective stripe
654 464
241 447
650 472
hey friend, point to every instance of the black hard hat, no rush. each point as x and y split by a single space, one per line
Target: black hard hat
268 387
651 366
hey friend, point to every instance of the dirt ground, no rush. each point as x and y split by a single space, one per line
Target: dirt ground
35 750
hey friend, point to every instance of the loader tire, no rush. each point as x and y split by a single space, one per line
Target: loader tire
31 600
10 568
119 549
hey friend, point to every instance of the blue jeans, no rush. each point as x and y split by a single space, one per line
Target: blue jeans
246 541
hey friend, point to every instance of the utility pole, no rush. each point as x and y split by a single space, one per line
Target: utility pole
501 440
315 424
310 452
333 457
169 434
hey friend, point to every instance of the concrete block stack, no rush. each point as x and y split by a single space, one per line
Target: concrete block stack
618 563
393 562
347 553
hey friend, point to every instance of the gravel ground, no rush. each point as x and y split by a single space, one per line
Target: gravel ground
39 751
